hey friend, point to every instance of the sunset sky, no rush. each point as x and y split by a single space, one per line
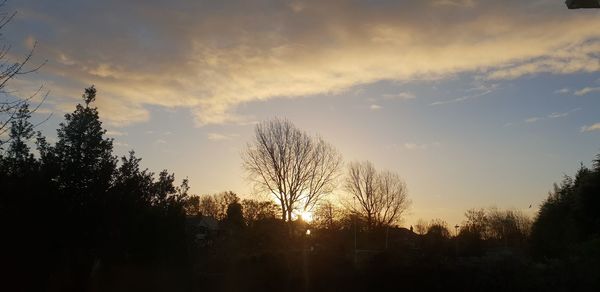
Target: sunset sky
474 103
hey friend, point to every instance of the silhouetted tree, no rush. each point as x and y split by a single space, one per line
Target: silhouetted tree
327 215
235 215
82 155
18 156
216 205
509 226
192 206
476 224
421 227
287 163
255 210
84 214
381 196
438 228
570 215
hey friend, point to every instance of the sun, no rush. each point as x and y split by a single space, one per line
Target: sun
306 216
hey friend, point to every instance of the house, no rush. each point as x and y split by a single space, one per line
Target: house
202 229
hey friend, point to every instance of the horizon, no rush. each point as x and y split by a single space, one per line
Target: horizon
470 112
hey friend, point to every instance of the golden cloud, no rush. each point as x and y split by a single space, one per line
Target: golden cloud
211 57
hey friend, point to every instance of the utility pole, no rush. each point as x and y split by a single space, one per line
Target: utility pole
355 255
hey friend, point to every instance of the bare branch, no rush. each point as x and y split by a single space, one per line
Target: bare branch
297 169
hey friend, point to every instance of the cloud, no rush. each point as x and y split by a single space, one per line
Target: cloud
562 91
401 95
212 56
462 99
590 128
375 107
221 137
121 144
533 120
587 90
552 116
115 133
415 146
425 146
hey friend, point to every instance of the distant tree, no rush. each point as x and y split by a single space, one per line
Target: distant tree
234 217
421 227
208 206
438 228
192 206
327 215
510 226
476 223
255 210
223 200
287 163
381 196
216 205
18 157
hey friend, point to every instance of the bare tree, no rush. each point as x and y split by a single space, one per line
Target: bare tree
381 196
421 227
297 169
10 69
216 205
393 198
361 183
327 215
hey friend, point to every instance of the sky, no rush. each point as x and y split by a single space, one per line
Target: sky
474 103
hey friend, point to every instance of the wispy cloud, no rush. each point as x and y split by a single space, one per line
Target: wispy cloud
121 144
221 137
562 91
590 128
462 99
213 65
160 142
115 133
533 119
415 146
551 116
401 95
375 107
424 146
458 3
587 90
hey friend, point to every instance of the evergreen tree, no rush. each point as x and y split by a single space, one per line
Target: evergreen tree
19 158
83 156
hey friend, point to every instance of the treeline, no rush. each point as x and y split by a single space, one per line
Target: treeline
74 208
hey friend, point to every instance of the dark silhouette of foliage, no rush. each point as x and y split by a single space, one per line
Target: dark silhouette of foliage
255 210
76 218
72 216
570 215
